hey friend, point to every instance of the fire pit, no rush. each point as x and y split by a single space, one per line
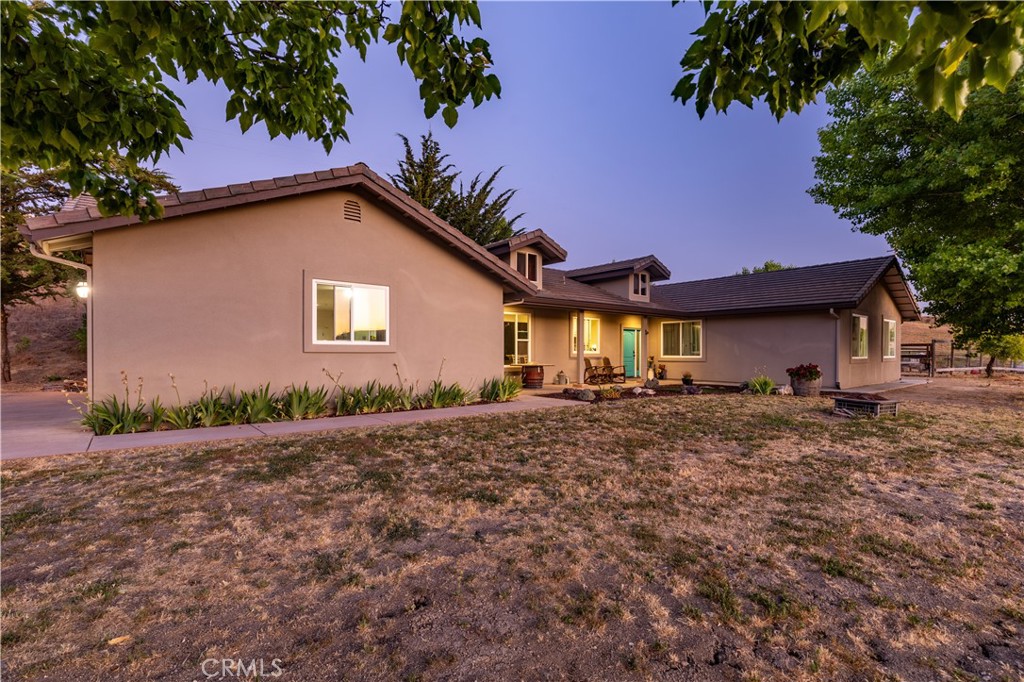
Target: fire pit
865 404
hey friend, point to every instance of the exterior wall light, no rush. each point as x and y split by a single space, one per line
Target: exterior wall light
82 289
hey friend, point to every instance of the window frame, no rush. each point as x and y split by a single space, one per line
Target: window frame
529 336
661 348
641 284
573 320
315 281
856 342
886 341
531 262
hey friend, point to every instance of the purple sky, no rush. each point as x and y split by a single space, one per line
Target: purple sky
605 161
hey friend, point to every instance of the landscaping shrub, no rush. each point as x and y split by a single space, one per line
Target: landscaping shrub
761 385
304 403
500 390
110 415
219 407
440 395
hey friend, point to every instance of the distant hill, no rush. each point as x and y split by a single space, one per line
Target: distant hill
44 351
925 331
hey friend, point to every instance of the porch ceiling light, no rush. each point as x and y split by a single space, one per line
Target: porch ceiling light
82 289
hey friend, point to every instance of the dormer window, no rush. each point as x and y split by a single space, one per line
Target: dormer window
526 264
640 282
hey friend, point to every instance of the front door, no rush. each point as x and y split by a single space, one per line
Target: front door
631 352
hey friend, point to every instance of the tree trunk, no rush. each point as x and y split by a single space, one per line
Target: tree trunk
5 352
988 367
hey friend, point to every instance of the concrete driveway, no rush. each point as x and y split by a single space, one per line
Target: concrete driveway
34 424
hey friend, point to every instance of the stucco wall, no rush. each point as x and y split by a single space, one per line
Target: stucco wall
737 348
551 339
877 305
221 297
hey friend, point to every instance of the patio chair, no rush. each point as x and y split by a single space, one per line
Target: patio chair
616 373
595 374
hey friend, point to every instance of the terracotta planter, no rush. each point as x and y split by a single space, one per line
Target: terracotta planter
810 389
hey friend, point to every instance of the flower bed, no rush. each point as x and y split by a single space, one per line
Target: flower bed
224 407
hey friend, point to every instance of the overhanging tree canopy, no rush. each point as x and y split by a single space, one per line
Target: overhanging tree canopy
947 195
83 81
789 52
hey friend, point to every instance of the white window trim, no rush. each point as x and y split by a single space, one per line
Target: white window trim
867 338
573 322
661 340
885 339
335 342
529 337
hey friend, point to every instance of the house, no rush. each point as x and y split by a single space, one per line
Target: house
277 280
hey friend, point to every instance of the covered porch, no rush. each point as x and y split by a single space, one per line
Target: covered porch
549 340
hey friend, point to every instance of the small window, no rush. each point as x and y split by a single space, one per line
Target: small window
517 338
353 211
889 338
346 313
591 335
859 337
640 280
681 339
526 264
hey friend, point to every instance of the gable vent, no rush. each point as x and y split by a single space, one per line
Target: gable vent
353 211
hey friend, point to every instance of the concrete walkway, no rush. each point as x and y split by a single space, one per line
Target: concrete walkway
38 424
879 388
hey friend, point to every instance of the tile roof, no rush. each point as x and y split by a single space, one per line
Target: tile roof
561 291
83 220
817 287
82 201
617 268
539 239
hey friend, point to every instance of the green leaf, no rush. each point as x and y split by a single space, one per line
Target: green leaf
450 115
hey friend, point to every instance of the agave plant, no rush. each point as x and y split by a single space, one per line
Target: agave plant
258 405
500 390
304 403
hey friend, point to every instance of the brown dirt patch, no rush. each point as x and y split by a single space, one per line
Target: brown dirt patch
695 538
43 346
1002 390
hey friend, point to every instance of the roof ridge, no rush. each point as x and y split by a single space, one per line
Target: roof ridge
776 272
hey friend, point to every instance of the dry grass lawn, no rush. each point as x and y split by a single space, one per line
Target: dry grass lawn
693 538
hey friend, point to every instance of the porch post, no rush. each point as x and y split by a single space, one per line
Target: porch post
579 346
645 347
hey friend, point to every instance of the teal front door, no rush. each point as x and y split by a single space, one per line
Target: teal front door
631 352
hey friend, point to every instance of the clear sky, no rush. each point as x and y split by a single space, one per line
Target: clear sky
605 161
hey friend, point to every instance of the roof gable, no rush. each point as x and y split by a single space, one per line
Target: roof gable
538 239
621 268
68 226
816 287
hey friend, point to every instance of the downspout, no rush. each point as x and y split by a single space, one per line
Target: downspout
835 361
35 251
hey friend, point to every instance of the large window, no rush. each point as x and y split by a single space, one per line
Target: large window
591 335
517 338
889 338
346 313
681 339
526 264
859 337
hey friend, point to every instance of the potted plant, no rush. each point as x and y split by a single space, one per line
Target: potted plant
687 379
662 372
806 380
